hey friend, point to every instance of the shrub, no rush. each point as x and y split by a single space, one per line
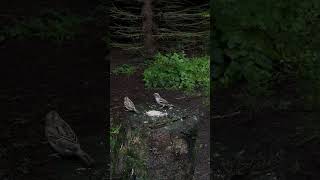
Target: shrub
175 71
53 26
267 44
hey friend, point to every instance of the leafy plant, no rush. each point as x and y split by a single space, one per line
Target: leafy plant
53 26
128 152
115 143
265 44
309 79
115 130
133 160
126 69
175 71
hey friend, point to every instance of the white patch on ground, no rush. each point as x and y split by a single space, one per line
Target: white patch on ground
154 113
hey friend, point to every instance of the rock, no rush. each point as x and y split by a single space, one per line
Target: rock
164 141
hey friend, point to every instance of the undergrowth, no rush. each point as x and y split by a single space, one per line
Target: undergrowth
176 71
266 50
127 153
50 25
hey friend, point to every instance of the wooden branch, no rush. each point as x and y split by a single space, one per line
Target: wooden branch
177 20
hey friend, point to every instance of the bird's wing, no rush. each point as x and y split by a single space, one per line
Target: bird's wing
57 133
161 100
130 103
127 105
60 129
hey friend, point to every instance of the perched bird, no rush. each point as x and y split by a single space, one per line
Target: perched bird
63 139
161 101
128 104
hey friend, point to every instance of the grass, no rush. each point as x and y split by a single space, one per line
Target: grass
115 144
127 152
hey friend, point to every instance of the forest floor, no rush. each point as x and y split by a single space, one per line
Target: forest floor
276 144
39 77
133 87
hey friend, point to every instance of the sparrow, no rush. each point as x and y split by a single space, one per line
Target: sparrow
161 101
63 139
128 104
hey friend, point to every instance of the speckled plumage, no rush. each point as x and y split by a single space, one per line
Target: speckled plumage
161 101
63 139
128 104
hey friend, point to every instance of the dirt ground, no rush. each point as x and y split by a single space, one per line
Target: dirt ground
283 142
133 86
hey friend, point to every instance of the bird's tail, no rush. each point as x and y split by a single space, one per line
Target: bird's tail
85 158
135 110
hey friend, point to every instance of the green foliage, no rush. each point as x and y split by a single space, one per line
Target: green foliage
126 69
175 71
134 161
128 152
115 130
51 26
267 43
309 79
115 144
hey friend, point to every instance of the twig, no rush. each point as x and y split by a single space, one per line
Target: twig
226 115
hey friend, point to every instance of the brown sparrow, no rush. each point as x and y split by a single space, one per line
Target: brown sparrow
63 139
161 101
128 104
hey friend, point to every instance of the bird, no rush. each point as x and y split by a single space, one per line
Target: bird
63 139
128 104
161 101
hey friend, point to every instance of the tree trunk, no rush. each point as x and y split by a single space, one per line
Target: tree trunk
147 28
